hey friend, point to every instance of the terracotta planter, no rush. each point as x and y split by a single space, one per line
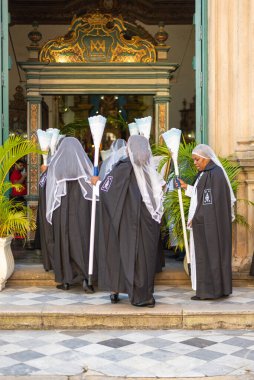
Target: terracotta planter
6 261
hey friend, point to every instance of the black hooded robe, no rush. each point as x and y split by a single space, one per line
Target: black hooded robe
71 230
212 232
44 232
128 237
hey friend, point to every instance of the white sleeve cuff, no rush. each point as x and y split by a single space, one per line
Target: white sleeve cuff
189 191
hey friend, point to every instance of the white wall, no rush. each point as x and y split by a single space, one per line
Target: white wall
181 39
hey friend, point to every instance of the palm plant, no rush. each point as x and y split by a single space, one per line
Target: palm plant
15 218
188 172
75 129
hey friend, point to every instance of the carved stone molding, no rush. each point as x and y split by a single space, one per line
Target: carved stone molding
245 149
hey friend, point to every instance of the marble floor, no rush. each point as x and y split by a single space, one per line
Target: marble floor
242 297
127 353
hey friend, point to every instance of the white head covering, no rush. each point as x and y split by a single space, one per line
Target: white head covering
149 180
118 151
205 151
69 163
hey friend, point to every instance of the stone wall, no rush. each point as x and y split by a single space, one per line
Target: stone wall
230 103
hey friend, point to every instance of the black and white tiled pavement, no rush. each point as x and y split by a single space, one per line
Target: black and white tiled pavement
130 353
164 295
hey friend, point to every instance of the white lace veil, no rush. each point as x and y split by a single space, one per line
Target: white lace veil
149 180
69 163
118 151
205 151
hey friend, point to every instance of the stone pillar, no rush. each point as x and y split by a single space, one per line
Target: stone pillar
231 74
161 115
231 99
244 242
34 160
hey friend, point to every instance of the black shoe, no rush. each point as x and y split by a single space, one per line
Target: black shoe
64 286
114 297
195 298
149 303
89 289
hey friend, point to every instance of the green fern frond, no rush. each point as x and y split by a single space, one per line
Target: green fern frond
160 150
246 201
6 187
17 223
240 219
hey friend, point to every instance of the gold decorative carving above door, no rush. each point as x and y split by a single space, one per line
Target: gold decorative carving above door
98 37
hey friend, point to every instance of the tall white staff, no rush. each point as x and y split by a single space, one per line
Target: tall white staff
97 125
172 140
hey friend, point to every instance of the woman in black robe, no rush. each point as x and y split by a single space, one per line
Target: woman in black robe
44 233
210 223
68 210
130 214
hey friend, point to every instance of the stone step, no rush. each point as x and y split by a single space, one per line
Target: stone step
172 274
50 308
171 311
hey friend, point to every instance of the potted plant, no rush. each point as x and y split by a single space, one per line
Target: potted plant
15 217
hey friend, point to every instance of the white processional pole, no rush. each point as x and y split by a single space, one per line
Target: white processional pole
172 140
97 125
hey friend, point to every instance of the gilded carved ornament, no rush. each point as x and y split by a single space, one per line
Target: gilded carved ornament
98 37
34 117
33 184
162 118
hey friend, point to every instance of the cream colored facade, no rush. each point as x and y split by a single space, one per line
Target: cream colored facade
230 103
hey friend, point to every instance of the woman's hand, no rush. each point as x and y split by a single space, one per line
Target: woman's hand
94 180
43 168
178 182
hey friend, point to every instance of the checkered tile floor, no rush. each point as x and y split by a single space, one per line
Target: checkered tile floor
132 353
166 295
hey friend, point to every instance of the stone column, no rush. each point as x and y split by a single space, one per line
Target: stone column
161 115
230 103
34 160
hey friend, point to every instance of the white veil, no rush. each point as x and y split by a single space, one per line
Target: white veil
149 180
117 152
69 163
205 151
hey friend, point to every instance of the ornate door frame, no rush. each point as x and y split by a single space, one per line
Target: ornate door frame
100 78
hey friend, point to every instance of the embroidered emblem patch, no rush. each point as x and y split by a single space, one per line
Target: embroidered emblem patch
207 197
106 185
